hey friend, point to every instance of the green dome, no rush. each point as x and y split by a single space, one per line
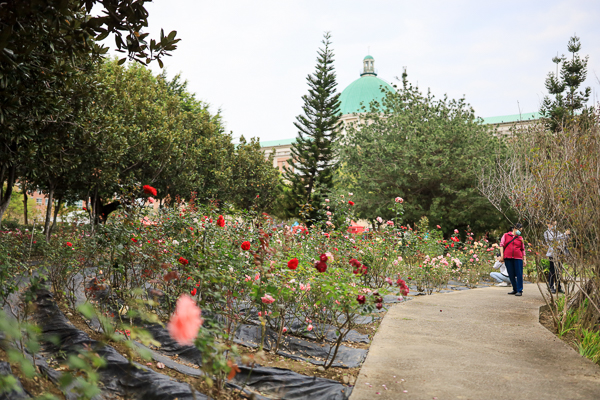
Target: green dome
363 90
368 58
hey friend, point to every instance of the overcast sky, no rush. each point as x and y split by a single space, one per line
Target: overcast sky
250 58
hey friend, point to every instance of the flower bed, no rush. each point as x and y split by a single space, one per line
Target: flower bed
211 276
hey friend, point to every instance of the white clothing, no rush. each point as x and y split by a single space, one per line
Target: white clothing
502 267
554 239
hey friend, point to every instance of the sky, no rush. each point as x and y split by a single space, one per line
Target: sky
249 59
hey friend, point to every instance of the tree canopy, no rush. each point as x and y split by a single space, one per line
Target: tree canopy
137 128
46 48
425 150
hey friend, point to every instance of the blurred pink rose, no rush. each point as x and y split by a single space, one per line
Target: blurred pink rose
185 321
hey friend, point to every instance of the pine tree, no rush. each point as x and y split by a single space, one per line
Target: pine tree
568 100
309 172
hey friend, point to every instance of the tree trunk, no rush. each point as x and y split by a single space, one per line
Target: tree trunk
48 214
25 219
56 209
10 181
94 215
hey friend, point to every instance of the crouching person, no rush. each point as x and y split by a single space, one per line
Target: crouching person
500 277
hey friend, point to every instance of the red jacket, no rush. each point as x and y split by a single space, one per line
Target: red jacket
515 249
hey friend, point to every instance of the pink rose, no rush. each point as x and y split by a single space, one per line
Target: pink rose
185 321
267 299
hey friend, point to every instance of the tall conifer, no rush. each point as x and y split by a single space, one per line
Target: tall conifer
310 170
569 100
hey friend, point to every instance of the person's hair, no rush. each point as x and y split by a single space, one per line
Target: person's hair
517 226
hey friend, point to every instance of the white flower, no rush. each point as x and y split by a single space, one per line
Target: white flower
230 269
175 242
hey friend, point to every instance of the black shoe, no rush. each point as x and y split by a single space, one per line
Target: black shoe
513 292
553 291
519 294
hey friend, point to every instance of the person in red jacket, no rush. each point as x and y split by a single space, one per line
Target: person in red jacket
512 252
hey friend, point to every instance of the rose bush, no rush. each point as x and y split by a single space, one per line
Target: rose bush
243 267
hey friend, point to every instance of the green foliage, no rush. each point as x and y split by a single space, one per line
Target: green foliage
313 159
568 101
589 345
425 150
46 49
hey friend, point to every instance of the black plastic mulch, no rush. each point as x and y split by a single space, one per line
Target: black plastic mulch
17 394
118 376
276 383
299 349
298 327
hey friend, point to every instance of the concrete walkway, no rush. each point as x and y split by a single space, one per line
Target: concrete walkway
475 344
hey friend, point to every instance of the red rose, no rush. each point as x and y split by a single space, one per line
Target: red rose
293 263
193 292
379 306
351 202
149 190
221 221
321 266
69 244
134 240
246 245
183 261
323 257
361 299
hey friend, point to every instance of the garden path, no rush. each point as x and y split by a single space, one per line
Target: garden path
473 344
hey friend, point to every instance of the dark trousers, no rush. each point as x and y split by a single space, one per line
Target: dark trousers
554 273
514 267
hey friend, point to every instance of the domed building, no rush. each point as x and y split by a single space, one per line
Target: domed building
356 98
358 95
